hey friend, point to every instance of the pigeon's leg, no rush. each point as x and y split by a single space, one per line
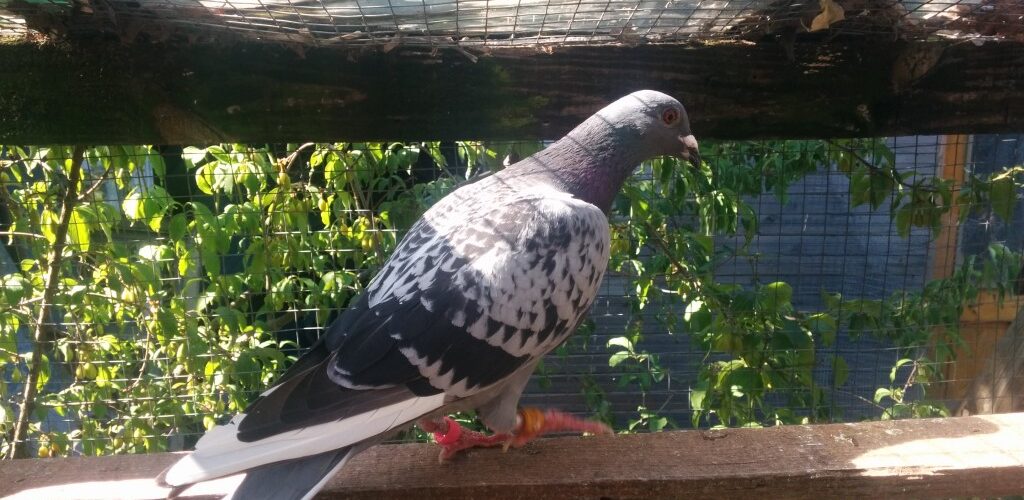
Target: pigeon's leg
534 422
453 438
531 423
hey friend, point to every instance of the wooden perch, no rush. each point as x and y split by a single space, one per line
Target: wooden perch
936 458
96 92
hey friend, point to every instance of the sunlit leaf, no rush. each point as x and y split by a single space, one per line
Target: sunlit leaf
78 231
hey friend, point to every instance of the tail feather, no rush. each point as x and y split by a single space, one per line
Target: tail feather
220 453
295 479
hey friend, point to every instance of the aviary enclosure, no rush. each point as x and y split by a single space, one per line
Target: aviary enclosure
191 190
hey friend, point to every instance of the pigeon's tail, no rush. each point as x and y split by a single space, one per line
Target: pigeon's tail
223 451
299 478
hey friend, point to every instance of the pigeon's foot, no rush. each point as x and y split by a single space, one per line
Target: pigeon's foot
534 423
453 438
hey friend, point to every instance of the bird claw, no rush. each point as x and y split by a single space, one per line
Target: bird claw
453 438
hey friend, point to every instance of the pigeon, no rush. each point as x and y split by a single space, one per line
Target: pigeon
492 277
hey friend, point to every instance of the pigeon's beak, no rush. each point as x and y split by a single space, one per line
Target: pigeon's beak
690 150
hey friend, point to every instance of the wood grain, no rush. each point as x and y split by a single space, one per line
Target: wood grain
94 91
935 458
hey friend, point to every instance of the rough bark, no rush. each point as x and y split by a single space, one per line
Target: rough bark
41 329
90 92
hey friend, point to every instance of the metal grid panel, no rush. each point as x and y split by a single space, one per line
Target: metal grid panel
812 239
441 23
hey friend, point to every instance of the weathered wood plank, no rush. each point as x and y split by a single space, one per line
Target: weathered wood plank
997 375
938 458
105 92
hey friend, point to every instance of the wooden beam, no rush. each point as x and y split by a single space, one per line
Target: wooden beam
89 92
952 166
937 458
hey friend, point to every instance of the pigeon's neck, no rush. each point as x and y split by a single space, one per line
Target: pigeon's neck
590 163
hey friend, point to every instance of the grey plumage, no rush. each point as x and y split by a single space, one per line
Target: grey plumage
488 281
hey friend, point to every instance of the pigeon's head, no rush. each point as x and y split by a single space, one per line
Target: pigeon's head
657 121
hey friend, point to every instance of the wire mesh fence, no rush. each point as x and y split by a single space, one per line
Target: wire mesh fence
446 23
784 282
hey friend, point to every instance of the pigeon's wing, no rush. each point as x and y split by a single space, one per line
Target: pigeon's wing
476 300
471 294
459 307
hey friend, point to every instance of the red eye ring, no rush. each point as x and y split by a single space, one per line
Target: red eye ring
670 116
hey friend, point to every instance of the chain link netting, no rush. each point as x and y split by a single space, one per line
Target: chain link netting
189 279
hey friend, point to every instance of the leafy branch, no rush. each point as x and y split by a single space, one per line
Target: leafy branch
53 277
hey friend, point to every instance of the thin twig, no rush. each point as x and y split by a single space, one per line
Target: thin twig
49 291
99 182
27 235
290 160
879 170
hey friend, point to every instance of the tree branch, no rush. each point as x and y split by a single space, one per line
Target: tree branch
99 182
49 291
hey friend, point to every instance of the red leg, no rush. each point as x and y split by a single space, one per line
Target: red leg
532 423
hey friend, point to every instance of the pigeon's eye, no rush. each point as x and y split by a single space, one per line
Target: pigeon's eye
670 116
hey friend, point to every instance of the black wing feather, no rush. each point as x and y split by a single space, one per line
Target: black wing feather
359 364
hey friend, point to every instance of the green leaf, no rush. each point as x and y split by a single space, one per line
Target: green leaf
14 288
896 368
47 224
132 204
178 227
699 321
211 368
798 337
147 206
44 372
841 372
823 326
775 296
247 369
204 179
617 358
657 424
904 217
219 153
860 187
697 396
1003 195
78 231
621 342
156 162
742 381
880 188
157 202
210 259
